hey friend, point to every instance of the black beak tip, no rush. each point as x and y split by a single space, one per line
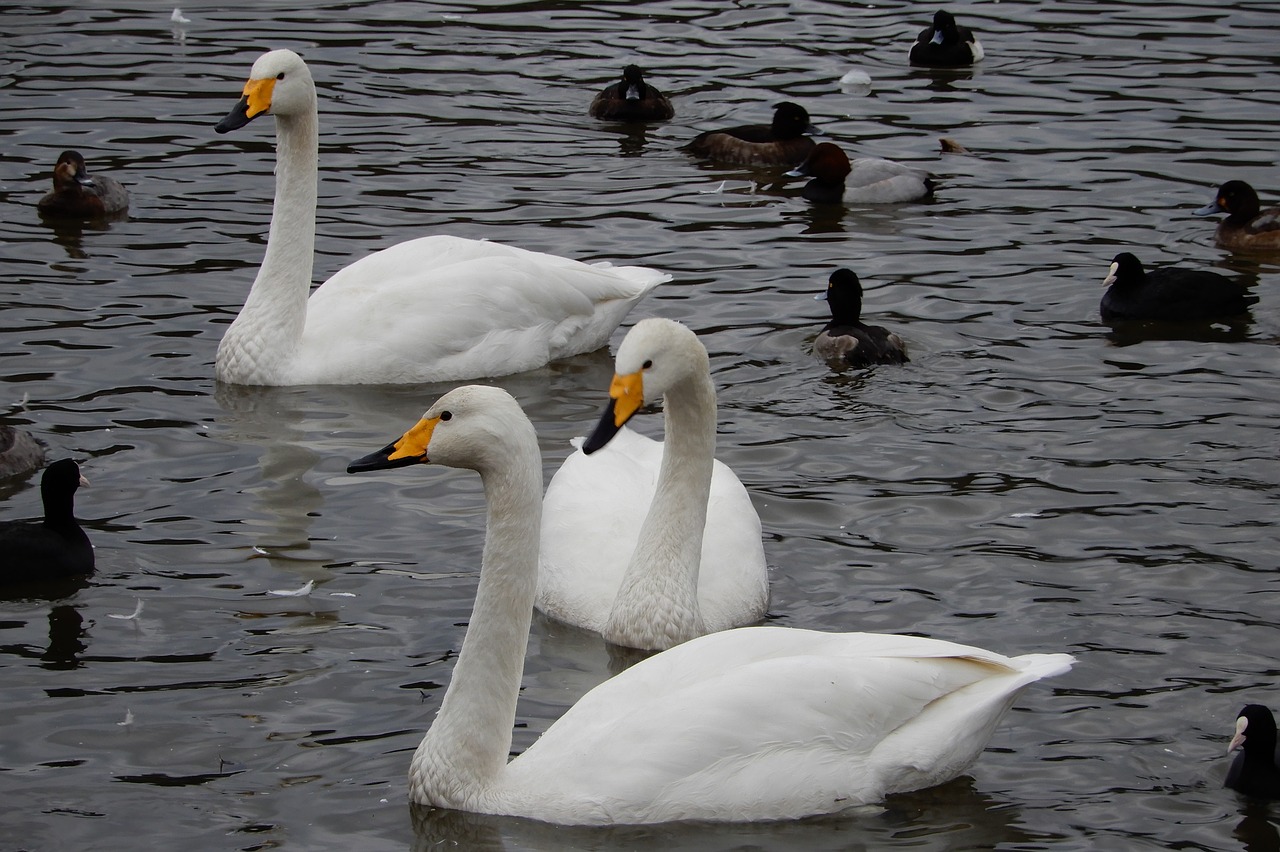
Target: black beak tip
603 433
381 460
237 118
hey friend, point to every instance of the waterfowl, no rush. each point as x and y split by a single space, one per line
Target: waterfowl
756 723
865 180
20 452
1169 293
782 143
78 195
1247 226
651 544
846 340
1256 769
631 99
432 309
55 546
945 44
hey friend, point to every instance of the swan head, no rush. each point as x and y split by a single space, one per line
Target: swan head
656 356
279 83
469 427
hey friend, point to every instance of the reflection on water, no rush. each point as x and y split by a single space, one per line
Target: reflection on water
1033 479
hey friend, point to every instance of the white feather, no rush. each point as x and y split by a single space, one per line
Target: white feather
437 308
703 558
756 723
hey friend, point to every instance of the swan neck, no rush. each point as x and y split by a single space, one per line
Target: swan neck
468 745
668 552
269 326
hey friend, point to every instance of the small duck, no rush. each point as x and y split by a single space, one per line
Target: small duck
846 340
631 99
946 44
865 180
54 547
20 452
782 143
78 195
1169 293
1256 769
1247 227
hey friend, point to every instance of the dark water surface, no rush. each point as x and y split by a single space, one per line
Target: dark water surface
1031 481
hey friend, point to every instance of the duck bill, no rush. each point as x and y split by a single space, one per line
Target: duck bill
410 448
1209 209
626 395
255 101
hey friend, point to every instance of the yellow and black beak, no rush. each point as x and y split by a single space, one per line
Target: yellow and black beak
409 448
255 102
626 395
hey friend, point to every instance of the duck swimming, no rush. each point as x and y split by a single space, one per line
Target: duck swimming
781 143
55 546
945 44
1256 769
1169 293
865 180
78 195
755 723
631 99
651 544
432 309
846 340
1247 227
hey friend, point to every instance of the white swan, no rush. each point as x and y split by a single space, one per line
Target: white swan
651 544
438 308
757 723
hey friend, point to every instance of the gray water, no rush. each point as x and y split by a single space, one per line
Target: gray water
1031 481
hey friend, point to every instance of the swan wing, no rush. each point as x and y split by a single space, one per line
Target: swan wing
770 723
444 308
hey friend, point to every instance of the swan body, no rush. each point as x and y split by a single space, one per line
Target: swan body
651 544
757 723
438 308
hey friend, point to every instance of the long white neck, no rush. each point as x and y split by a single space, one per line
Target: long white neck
657 604
265 335
467 747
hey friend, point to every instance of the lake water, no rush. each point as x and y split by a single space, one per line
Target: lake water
1031 481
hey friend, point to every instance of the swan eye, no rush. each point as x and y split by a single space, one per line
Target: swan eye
446 415
646 365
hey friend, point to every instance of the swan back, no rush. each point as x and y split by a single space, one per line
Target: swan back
771 723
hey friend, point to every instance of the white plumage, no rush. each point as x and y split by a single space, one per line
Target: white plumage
438 308
648 571
756 723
